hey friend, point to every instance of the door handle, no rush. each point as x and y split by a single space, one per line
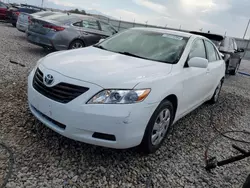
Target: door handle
208 71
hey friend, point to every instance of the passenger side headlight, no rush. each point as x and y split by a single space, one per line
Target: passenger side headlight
114 96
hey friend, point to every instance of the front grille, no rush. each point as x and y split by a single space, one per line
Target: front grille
61 92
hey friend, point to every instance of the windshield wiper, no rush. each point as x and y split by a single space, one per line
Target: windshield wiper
133 55
99 46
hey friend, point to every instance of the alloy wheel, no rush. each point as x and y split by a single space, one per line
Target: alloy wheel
77 45
161 126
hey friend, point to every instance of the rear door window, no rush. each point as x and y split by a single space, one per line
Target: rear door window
198 49
77 24
218 57
211 52
90 24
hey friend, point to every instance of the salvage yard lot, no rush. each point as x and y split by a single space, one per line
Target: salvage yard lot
45 159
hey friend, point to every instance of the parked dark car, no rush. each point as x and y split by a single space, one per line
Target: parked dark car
3 11
228 47
72 31
13 12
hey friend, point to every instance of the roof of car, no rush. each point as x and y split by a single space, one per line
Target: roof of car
173 32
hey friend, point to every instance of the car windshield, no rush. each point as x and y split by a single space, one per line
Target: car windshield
156 46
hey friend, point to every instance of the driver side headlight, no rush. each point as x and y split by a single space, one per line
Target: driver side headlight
121 96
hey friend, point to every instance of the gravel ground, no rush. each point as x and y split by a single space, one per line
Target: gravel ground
45 159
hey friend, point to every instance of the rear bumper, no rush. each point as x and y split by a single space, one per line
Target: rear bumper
48 40
21 26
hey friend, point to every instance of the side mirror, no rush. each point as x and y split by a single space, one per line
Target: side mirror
198 62
101 40
240 50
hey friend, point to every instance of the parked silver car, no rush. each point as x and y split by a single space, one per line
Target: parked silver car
24 19
68 31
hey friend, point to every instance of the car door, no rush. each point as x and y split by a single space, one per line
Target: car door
215 65
3 9
195 87
93 30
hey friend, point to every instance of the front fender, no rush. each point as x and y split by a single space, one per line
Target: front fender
161 88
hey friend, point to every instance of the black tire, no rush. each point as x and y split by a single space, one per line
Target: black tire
247 183
227 65
216 95
14 24
235 71
49 49
146 145
76 44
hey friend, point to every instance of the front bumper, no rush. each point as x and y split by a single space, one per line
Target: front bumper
127 123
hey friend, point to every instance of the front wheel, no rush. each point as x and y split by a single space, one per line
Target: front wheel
158 127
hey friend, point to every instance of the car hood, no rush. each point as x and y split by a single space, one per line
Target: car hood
104 68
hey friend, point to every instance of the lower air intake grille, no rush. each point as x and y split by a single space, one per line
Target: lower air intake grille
61 92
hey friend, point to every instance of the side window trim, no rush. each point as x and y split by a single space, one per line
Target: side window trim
79 22
205 48
99 25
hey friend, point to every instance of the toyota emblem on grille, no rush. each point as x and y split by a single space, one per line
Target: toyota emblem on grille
49 79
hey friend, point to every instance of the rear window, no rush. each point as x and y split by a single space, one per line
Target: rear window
54 16
26 10
64 19
45 14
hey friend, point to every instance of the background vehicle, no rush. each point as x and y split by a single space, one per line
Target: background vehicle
13 13
228 47
68 31
3 11
24 19
127 90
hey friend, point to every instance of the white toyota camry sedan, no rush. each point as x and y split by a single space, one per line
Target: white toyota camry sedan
128 90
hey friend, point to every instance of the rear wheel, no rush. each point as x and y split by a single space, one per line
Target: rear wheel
227 65
158 127
235 71
14 24
216 93
76 44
